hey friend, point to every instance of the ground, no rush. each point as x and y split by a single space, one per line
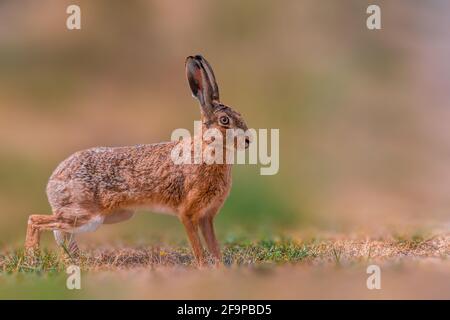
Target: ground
327 267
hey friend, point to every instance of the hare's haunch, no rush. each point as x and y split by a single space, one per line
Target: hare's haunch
104 185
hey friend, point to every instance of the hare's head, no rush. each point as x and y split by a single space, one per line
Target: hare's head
205 89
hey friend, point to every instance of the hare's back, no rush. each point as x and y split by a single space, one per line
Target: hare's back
108 176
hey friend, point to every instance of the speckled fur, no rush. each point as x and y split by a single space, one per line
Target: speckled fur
105 185
103 180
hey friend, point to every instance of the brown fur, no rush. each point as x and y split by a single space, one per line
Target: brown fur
108 183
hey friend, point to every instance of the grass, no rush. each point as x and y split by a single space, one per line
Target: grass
265 268
236 253
337 255
266 251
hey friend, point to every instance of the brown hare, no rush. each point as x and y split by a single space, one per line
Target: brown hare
103 185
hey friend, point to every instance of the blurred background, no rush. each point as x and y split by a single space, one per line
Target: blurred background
363 115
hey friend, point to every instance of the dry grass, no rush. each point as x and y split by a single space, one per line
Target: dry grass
328 268
335 251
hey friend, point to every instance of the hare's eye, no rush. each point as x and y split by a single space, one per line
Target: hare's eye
224 120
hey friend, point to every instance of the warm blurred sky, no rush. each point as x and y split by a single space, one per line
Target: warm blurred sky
363 115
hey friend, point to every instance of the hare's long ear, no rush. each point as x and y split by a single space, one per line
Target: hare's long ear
211 78
200 83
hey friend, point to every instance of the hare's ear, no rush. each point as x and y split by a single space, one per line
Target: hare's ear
211 78
200 83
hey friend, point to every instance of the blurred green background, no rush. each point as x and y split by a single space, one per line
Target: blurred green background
363 115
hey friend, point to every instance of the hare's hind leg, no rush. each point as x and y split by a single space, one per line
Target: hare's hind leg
33 232
37 223
65 223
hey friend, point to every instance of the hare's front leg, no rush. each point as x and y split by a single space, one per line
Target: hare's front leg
191 226
207 227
